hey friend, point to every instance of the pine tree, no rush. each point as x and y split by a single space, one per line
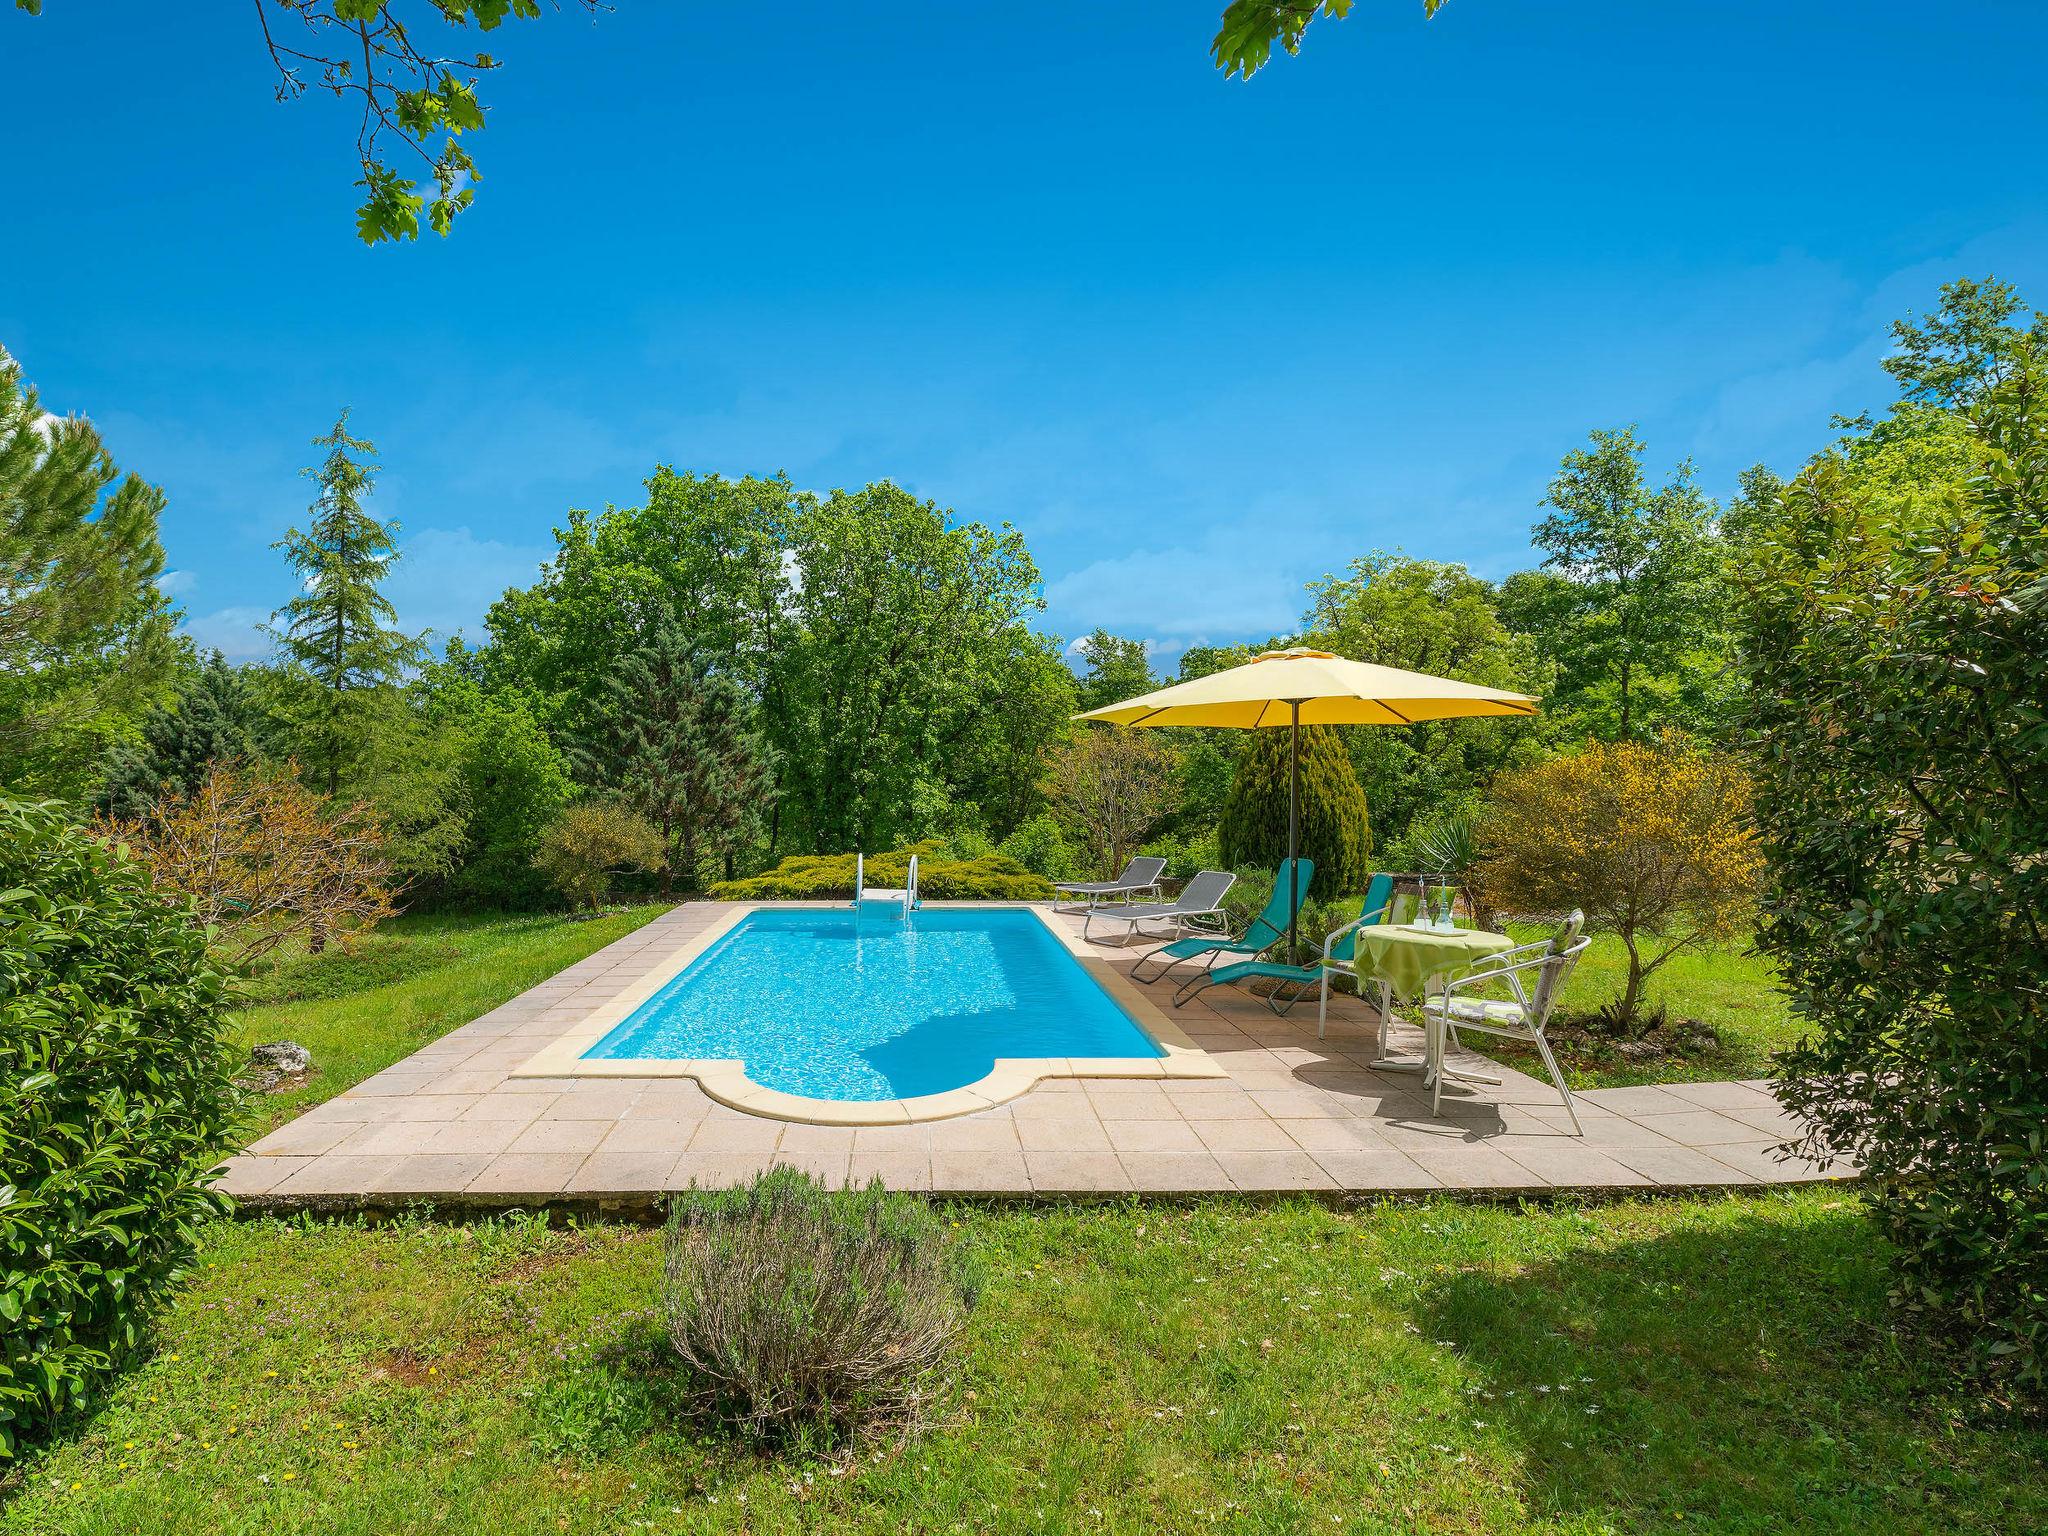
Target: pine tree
680 748
1335 831
214 719
338 632
85 642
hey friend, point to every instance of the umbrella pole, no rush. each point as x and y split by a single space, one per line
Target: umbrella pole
1293 829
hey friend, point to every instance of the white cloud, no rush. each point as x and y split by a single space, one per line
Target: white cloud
176 583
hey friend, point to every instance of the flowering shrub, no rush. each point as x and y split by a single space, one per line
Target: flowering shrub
116 1105
800 1309
1650 842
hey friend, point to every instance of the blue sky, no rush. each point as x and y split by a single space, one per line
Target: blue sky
1200 340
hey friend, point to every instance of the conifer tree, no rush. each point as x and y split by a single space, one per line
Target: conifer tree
1334 827
339 631
214 719
84 633
680 748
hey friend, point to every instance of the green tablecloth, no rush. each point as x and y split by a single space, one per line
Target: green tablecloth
1406 958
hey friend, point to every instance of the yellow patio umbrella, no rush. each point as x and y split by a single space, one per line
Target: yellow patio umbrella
1298 687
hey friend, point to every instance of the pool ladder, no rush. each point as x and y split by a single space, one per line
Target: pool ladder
906 896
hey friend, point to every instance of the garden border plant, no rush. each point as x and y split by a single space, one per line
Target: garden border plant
802 1311
116 1106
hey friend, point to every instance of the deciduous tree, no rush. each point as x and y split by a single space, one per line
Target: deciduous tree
263 858
1428 616
1111 786
1638 629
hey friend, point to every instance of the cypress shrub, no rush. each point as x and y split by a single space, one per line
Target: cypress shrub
1335 831
116 1106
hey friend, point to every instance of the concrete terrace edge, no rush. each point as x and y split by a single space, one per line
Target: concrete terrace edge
651 1207
725 1080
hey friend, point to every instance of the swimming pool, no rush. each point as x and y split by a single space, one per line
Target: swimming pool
863 1006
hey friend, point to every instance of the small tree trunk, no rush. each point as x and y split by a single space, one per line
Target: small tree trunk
1631 996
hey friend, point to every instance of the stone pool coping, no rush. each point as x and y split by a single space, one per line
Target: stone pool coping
725 1079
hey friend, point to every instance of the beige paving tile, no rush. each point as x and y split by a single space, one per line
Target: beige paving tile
248 1175
1153 1136
604 1101
402 1137
1233 1105
1638 1101
1069 1135
911 1140
526 1173
431 1174
1761 1162
1262 1171
306 1137
1721 1096
1675 1165
434 1107
336 1174
624 1173
544 1137
975 1133
1703 1128
717 1170
520 1108
736 1133
896 1170
1075 1172
986 1172
829 1168
1260 1135
1378 1169
1336 1135
1481 1167
1174 1172
816 1138
464 1081
646 1137
1570 1166
491 1136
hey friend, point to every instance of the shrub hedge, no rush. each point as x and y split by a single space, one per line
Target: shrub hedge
824 877
116 1105
1896 631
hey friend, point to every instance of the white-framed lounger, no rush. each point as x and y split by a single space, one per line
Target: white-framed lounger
725 1079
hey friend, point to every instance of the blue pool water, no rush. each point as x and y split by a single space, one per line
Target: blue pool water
839 1004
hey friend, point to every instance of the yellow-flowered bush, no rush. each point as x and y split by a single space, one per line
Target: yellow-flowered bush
1650 841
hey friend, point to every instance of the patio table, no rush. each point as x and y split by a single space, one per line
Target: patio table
1408 959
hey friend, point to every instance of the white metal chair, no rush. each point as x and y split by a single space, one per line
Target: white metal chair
1522 1018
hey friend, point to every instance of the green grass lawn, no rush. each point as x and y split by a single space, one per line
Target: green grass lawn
409 981
1720 1366
1729 989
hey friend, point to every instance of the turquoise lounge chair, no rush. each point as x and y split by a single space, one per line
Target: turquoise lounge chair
1290 888
1338 950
